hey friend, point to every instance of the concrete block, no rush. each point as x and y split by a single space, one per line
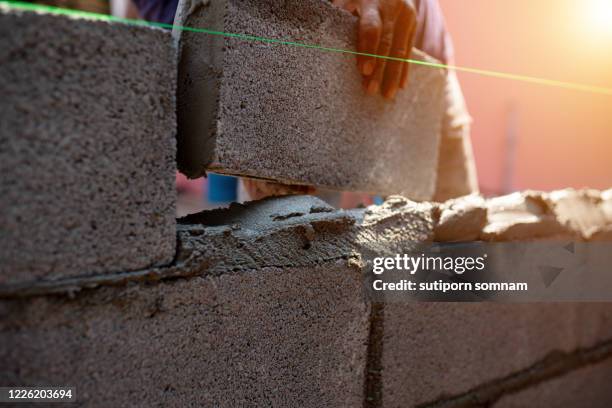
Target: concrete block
87 147
263 306
280 337
586 387
435 351
295 114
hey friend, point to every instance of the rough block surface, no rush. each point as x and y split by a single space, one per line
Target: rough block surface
586 387
262 306
296 114
87 147
434 351
272 337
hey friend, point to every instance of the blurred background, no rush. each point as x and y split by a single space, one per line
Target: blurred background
528 136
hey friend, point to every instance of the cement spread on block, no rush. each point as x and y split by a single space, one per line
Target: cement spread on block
291 231
273 307
563 214
461 219
583 211
251 296
295 114
606 198
522 216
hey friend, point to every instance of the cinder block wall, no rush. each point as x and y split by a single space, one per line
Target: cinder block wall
253 306
87 147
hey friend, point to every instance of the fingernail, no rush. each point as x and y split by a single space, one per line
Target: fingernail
368 68
390 94
373 86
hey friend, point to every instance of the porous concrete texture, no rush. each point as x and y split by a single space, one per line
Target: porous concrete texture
441 354
264 305
296 114
282 337
87 147
586 387
433 352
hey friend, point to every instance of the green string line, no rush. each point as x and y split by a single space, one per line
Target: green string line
484 72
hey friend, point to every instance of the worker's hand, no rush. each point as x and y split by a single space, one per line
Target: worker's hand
259 189
386 28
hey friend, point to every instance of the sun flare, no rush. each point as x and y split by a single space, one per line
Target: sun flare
599 16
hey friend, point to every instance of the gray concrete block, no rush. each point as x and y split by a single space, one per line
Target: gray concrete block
282 337
295 114
263 305
435 351
586 387
87 147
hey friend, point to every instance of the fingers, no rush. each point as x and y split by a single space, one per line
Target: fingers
259 189
406 65
370 29
384 49
399 49
404 78
386 29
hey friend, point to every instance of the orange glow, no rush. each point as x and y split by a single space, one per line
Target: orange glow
554 137
599 16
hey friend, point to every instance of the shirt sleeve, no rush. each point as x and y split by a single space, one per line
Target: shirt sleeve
161 11
431 33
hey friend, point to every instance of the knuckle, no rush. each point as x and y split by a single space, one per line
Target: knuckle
386 39
406 5
369 29
370 21
370 36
